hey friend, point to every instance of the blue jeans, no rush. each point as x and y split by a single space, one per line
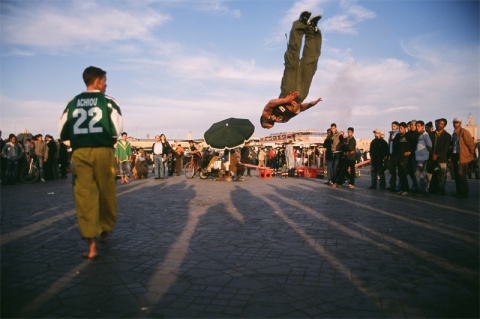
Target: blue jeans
125 168
159 167
421 177
335 164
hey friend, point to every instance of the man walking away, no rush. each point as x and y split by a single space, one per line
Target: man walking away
91 122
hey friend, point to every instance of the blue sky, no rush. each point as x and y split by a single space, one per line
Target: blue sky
178 66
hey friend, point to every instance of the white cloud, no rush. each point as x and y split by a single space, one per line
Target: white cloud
64 24
217 7
347 21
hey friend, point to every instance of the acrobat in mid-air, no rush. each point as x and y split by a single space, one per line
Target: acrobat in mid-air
298 74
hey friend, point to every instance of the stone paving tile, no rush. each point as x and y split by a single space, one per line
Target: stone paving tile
275 248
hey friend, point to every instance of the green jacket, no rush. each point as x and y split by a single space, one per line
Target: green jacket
123 151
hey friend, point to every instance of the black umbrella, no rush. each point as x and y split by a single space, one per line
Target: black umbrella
23 136
229 133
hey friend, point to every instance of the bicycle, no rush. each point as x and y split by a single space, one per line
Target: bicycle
30 173
191 168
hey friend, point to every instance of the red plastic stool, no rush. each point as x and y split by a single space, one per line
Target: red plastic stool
265 173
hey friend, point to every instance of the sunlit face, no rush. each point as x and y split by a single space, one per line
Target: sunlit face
402 129
378 134
394 127
420 127
162 137
457 125
124 137
333 129
157 138
350 133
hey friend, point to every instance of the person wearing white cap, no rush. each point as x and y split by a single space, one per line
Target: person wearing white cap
463 147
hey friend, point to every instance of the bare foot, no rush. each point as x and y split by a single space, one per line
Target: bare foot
93 252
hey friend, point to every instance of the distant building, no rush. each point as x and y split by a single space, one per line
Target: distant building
472 127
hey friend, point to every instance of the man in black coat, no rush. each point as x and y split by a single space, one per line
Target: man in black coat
378 152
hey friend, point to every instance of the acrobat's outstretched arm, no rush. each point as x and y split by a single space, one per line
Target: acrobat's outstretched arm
306 106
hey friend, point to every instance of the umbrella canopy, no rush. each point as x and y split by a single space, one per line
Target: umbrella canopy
23 136
229 133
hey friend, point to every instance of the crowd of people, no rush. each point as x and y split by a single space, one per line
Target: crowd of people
50 155
419 152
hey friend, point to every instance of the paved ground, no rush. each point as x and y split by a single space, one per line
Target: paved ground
278 248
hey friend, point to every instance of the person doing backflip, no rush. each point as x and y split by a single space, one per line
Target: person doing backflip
298 73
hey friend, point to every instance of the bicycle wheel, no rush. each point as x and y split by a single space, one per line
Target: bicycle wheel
189 170
29 175
202 174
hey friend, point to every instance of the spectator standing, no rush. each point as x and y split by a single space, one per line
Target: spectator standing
289 156
178 159
63 158
463 147
441 140
123 155
412 162
50 163
402 149
12 152
392 162
347 166
40 153
422 154
91 122
261 157
337 141
378 153
327 144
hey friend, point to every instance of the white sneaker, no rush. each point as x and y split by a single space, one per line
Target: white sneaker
351 186
42 180
404 193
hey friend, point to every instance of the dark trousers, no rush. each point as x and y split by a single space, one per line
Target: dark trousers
377 169
402 173
392 168
11 171
335 166
461 170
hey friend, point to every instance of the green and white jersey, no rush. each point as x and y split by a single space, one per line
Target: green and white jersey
91 119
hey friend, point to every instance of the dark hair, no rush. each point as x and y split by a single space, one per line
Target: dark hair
91 73
333 124
395 122
403 124
191 141
124 133
422 123
262 120
350 129
443 119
